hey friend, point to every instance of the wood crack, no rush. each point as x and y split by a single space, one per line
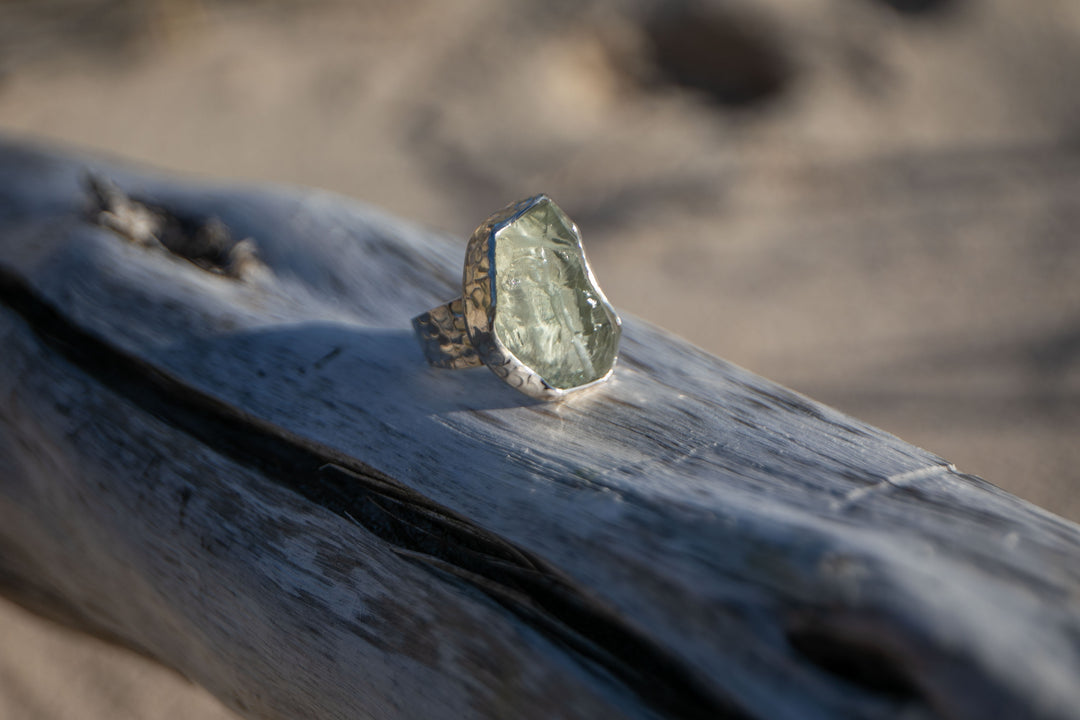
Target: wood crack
892 482
538 594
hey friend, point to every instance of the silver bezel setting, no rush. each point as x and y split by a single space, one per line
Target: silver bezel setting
480 302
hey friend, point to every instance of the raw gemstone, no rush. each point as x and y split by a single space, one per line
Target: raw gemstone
548 312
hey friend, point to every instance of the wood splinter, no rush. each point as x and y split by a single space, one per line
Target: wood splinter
206 242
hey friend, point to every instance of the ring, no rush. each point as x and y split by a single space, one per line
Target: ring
530 308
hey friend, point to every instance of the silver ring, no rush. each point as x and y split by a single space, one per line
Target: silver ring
530 308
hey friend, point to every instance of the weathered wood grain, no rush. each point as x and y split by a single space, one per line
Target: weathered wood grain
254 477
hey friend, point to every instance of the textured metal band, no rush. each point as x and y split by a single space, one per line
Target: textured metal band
444 337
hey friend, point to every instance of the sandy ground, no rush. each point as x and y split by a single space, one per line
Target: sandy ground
876 206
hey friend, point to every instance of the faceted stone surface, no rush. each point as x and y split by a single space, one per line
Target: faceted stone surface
547 312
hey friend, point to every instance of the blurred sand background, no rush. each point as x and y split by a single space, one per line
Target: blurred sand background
875 202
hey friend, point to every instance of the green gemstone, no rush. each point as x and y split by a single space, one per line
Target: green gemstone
548 312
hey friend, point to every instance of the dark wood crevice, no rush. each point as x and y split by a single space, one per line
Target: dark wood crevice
206 242
524 585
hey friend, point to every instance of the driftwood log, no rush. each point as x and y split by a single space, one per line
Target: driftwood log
220 445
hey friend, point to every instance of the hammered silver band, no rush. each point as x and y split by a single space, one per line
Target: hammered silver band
445 338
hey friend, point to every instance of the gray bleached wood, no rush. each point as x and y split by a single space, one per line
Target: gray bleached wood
255 478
